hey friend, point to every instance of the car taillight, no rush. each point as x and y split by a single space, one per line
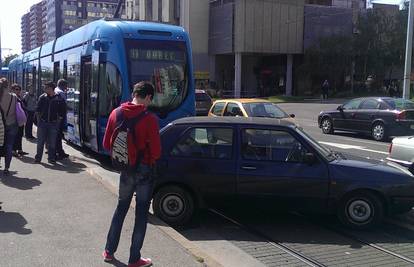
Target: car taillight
390 149
401 115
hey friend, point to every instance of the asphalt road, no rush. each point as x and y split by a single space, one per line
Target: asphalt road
348 143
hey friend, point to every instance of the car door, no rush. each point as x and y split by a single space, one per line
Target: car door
272 167
344 119
366 113
203 158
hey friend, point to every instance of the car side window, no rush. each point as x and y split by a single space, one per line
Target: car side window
271 145
233 110
352 104
213 143
369 104
218 108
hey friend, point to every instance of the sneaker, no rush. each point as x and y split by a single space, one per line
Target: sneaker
51 161
36 161
143 262
107 257
22 153
14 153
6 172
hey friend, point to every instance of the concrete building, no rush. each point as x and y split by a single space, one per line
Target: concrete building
32 27
251 47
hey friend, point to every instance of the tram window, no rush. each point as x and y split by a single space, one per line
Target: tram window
46 69
56 71
110 89
65 69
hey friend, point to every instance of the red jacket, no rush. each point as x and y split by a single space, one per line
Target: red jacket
146 131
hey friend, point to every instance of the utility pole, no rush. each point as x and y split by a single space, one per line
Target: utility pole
408 53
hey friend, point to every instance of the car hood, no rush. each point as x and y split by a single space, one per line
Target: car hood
366 168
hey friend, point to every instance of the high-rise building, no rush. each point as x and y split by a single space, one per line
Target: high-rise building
32 27
50 19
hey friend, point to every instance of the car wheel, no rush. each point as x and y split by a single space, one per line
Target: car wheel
174 205
378 132
360 210
327 126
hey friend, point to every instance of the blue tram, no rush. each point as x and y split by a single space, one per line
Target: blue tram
102 61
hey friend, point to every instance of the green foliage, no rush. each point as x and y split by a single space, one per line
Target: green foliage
9 58
377 49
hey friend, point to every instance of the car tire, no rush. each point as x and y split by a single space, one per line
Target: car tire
378 132
327 126
174 205
360 210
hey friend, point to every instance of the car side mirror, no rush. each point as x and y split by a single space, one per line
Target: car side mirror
292 115
310 158
340 108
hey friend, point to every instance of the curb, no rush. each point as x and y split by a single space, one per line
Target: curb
195 251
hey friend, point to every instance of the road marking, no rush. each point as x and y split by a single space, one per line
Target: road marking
345 146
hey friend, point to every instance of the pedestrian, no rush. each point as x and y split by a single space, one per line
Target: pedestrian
50 110
145 143
30 102
62 86
325 89
8 102
17 146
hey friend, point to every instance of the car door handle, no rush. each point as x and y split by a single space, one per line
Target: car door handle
249 168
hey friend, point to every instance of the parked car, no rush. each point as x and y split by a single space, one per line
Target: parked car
402 151
218 159
203 102
247 107
381 117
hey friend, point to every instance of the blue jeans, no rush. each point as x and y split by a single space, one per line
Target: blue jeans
142 185
11 133
46 132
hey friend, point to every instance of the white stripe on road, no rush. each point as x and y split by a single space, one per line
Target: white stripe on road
345 146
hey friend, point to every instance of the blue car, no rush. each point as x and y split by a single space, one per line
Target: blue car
208 159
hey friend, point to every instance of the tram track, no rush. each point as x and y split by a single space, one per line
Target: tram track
324 253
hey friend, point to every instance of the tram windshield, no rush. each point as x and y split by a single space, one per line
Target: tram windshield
164 63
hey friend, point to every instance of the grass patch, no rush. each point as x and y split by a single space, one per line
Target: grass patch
282 98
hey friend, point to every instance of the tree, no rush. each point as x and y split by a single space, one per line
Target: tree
9 58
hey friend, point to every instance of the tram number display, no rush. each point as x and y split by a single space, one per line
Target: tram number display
155 55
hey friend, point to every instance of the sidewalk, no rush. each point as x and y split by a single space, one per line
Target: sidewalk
59 215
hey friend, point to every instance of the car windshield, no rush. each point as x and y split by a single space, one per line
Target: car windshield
165 65
326 153
399 103
264 110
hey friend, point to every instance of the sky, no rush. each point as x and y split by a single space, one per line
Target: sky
11 12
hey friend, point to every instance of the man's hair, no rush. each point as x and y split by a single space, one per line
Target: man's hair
142 89
15 86
62 83
49 84
3 83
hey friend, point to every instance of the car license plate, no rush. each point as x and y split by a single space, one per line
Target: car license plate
412 126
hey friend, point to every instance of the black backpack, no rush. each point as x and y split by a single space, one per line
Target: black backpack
119 149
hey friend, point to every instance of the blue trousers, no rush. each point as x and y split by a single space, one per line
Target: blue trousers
11 133
129 183
46 132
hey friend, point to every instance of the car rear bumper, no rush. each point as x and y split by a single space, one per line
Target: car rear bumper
401 128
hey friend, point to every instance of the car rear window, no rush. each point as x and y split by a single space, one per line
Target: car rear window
399 103
218 108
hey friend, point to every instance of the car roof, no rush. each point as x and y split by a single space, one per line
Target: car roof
244 100
380 98
236 120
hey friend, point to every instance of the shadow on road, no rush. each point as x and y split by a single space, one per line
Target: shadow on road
68 165
117 263
13 222
19 183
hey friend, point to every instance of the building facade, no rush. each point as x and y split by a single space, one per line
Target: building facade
251 47
32 27
50 19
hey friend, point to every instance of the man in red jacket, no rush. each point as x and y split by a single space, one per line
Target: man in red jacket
146 149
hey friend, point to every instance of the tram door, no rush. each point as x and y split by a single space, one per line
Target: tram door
88 104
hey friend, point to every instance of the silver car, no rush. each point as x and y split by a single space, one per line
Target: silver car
402 150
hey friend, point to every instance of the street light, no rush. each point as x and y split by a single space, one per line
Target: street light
408 53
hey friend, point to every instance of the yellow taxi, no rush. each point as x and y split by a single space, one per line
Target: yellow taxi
247 107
